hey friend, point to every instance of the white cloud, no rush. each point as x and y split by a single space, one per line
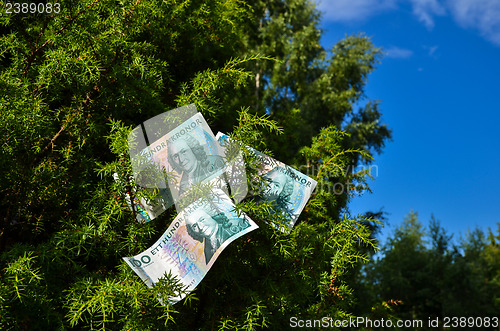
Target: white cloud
483 15
356 10
398 53
353 10
425 10
431 50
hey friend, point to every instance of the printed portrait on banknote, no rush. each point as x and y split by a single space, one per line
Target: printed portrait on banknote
285 189
169 167
212 228
192 242
189 153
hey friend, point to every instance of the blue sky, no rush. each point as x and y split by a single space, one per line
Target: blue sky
439 86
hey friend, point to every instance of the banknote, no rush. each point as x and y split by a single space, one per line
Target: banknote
186 156
192 242
285 188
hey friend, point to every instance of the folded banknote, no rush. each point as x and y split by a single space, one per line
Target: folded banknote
285 188
192 242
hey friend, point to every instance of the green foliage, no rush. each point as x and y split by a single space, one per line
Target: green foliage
25 294
418 279
72 87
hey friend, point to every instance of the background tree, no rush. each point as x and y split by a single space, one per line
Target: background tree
309 87
403 272
74 84
422 274
472 280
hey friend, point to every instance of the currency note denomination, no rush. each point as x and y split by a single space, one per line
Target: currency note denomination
192 242
285 188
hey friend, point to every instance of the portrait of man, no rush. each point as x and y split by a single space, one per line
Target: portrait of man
278 190
188 157
212 231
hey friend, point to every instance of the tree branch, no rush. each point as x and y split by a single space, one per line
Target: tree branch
51 143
